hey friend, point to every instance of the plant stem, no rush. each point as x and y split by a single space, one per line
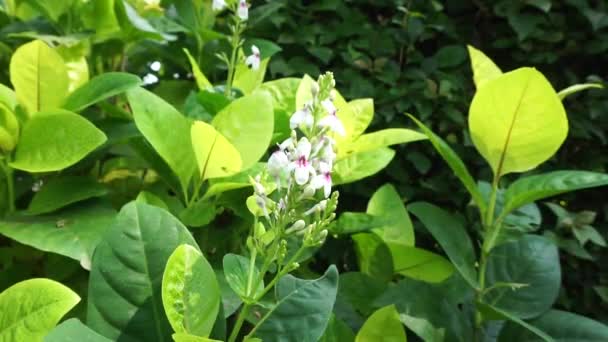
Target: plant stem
279 275
235 42
10 185
239 322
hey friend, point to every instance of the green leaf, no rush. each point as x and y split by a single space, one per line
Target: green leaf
362 113
360 290
387 202
248 124
530 260
484 69
576 88
190 292
31 308
215 155
237 181
63 191
55 140
151 199
422 328
455 163
39 76
283 93
200 214
561 325
9 125
167 130
373 256
8 97
360 165
73 330
521 323
532 188
350 223
181 337
451 235
382 326
517 121
236 271
303 311
375 140
247 79
201 80
127 272
100 88
420 264
337 331
73 233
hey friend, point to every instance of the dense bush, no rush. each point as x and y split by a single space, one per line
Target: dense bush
169 167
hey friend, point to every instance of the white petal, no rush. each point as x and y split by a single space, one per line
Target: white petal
243 10
338 127
309 119
297 118
324 167
301 175
329 106
285 144
218 5
318 181
255 50
327 188
256 63
303 148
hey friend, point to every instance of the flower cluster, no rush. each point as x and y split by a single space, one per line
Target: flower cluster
301 202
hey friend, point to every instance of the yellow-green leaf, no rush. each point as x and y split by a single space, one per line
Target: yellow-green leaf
247 79
382 326
215 155
39 76
201 80
484 69
517 121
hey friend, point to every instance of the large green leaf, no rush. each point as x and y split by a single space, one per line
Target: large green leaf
167 130
31 308
420 264
387 202
100 88
248 124
562 326
125 282
455 163
303 310
382 326
39 76
236 271
215 155
361 165
73 233
362 111
374 256
73 330
60 192
54 140
451 235
484 69
283 93
191 294
531 263
517 121
375 140
532 188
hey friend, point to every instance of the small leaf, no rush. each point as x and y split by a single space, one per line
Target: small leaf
360 165
32 308
236 271
351 223
248 80
373 256
387 202
382 326
576 88
100 88
191 294
517 121
215 155
201 80
55 140
422 328
420 264
63 191
73 330
484 69
199 214
181 337
539 334
384 138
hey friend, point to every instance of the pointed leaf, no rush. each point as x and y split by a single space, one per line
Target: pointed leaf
422 328
55 140
382 326
517 121
384 138
215 155
360 165
387 202
576 88
63 191
236 271
420 264
201 80
73 330
484 69
539 334
337 331
247 79
100 88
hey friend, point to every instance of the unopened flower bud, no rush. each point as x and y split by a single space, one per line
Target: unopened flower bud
308 192
314 88
322 235
297 226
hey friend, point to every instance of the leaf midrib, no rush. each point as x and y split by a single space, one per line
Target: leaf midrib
10 326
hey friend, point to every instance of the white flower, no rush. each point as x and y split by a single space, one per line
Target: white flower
301 165
253 60
243 10
287 144
329 107
303 116
277 163
323 179
218 5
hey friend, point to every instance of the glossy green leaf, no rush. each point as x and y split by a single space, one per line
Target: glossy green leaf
236 271
530 260
215 155
151 199
60 192
127 272
360 290
248 124
362 111
31 308
100 88
201 80
351 223
39 76
181 337
303 310
576 88
422 328
190 292
199 214
167 130
73 330
375 140
532 188
283 93
374 256
484 69
237 181
420 264
382 326
451 235
8 97
360 165
73 233
455 163
509 317
560 325
9 128
55 140
517 121
337 331
387 202
247 79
